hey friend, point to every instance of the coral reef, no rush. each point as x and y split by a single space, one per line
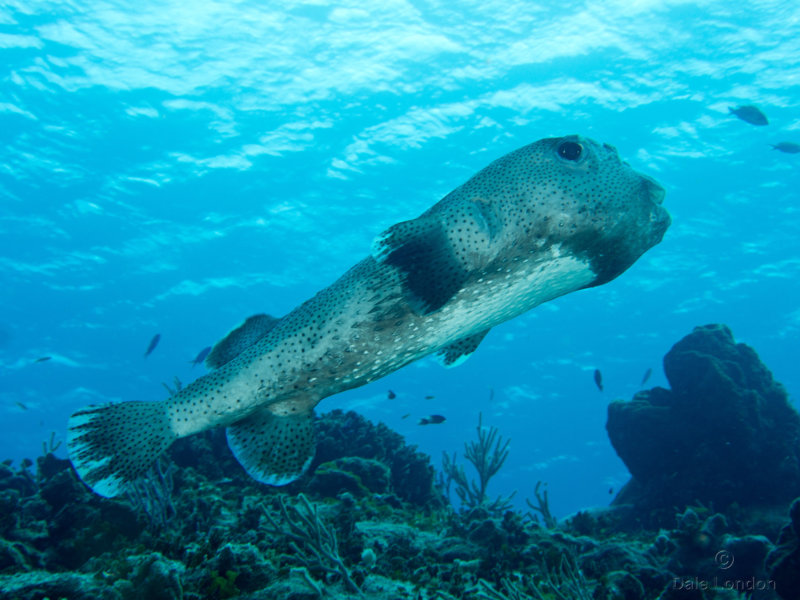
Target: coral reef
232 538
724 434
783 562
369 522
348 434
198 527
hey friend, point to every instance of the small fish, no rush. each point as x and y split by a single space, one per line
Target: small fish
405 416
391 395
788 147
21 405
43 359
646 376
610 491
749 114
429 397
431 420
598 379
201 356
153 344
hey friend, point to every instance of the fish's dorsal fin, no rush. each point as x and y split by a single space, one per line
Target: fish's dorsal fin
274 446
437 251
245 335
460 350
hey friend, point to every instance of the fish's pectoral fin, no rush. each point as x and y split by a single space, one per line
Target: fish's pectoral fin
437 251
460 350
421 250
274 445
245 335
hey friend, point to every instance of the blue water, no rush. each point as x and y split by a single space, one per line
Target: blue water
172 167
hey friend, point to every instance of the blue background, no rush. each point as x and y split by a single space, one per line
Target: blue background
173 168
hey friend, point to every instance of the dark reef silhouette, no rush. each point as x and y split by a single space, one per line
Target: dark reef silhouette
724 434
714 469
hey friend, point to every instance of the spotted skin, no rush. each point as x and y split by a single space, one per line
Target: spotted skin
245 335
533 225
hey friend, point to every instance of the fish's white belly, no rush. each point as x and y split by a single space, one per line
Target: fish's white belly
500 296
496 297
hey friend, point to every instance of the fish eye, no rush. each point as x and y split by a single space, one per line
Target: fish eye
570 150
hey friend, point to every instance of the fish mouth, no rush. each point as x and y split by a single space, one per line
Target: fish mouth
652 189
654 192
661 220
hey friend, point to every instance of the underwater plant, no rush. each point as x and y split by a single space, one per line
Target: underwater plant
313 543
152 494
542 506
565 582
487 455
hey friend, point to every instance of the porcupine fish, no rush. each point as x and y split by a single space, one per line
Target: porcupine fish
553 217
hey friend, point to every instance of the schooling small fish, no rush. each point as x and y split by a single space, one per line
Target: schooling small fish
405 416
646 376
788 147
598 379
21 405
749 114
153 344
43 359
431 420
201 356
429 397
391 395
610 491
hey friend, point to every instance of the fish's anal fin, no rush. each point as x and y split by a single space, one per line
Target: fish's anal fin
437 251
111 446
273 447
460 350
245 335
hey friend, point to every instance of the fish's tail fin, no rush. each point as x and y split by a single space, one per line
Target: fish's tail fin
274 446
110 446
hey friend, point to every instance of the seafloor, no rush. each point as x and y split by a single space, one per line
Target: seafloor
708 513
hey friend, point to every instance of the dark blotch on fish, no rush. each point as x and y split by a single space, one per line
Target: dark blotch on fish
43 359
788 147
201 356
750 114
646 376
598 379
432 420
391 395
153 344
